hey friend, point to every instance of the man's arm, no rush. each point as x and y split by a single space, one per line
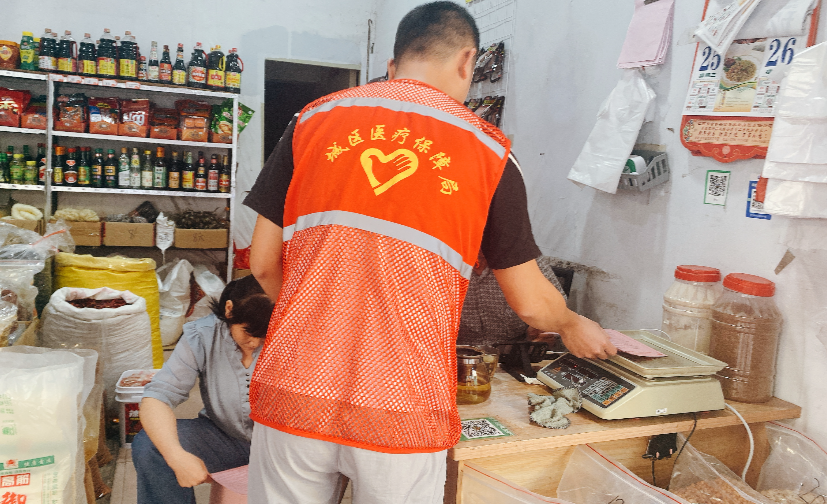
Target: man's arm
535 300
159 422
266 256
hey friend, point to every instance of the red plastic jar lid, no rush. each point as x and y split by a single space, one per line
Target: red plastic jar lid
749 284
692 273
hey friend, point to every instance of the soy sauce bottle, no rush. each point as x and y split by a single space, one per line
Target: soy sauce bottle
84 168
232 74
70 170
128 57
41 166
174 173
188 173
179 69
212 174
67 53
224 177
110 170
197 68
201 174
153 67
107 55
215 69
97 169
58 162
47 58
165 69
87 64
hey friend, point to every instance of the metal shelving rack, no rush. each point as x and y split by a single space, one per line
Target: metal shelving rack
53 81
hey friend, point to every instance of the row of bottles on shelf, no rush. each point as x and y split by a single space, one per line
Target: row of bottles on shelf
113 57
77 166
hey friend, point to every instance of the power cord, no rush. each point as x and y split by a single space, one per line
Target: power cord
653 473
751 441
686 441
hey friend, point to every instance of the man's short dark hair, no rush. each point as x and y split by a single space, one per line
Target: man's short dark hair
435 30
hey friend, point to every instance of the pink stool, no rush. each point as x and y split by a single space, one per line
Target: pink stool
229 487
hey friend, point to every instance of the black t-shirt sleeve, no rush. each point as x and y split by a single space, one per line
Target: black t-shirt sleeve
507 239
269 193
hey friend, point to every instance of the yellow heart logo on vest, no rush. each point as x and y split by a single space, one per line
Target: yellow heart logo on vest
403 160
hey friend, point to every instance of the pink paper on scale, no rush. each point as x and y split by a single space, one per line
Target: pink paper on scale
234 480
631 346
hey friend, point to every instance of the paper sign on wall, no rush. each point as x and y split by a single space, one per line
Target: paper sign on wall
717 186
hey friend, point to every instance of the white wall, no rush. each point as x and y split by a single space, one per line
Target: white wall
329 31
564 58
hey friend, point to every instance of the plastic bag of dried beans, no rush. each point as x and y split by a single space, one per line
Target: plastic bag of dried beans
796 469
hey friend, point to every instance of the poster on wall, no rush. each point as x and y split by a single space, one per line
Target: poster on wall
728 111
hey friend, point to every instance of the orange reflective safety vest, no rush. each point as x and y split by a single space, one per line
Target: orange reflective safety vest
383 221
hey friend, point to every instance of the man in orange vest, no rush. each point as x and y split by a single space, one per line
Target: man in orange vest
372 210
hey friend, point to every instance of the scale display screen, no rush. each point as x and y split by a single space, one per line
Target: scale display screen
594 383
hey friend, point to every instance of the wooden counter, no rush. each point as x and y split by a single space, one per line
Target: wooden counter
535 457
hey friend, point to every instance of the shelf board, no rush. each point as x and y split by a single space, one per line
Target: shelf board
22 187
159 141
9 129
137 86
145 192
22 74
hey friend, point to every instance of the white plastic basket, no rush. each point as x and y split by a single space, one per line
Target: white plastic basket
656 173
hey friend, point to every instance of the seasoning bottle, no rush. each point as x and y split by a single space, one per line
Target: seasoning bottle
41 164
97 169
473 382
85 168
16 168
70 170
5 176
197 68
123 168
232 76
224 177
47 59
159 179
110 170
745 328
87 59
147 170
58 162
165 68
179 69
28 52
128 57
215 69
188 173
174 175
135 169
201 173
67 54
153 67
107 55
687 306
212 174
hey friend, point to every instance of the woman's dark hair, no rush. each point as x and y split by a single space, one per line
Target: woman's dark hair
251 306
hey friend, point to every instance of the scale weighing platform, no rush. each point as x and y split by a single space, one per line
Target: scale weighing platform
626 386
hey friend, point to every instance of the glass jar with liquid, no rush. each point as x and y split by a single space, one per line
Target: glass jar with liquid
473 379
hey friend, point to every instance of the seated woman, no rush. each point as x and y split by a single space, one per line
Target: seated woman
220 350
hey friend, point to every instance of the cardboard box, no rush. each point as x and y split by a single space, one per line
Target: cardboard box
201 238
31 225
127 234
85 234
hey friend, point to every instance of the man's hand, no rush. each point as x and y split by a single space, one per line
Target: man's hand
585 338
189 469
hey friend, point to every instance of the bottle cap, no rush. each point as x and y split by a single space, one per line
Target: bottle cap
749 284
692 273
27 34
31 163
110 151
124 150
72 150
98 151
87 35
159 152
217 48
18 156
60 151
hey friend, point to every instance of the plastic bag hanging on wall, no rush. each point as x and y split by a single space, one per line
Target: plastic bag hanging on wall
619 119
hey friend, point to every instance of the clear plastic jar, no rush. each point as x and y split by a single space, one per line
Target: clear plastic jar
745 328
687 306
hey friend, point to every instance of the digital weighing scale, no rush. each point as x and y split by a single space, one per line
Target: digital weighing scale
626 386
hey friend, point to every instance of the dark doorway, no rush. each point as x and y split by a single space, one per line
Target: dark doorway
289 86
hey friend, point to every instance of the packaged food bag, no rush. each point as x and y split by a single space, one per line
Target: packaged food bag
119 273
701 478
591 477
796 468
40 426
483 487
174 290
204 288
121 335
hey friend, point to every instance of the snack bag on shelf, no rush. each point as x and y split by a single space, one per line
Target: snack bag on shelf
134 118
701 478
796 469
35 115
71 114
163 123
104 115
591 477
195 120
12 105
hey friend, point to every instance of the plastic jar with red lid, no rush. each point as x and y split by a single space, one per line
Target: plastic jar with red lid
745 328
687 306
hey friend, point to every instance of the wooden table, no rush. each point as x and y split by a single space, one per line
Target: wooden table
535 457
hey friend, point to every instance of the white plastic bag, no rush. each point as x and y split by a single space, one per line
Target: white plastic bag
604 155
479 486
796 199
211 288
121 336
40 431
796 468
591 477
698 477
174 294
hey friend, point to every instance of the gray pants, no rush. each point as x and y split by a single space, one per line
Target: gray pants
288 469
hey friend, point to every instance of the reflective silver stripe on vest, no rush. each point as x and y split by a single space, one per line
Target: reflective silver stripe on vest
385 228
415 108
